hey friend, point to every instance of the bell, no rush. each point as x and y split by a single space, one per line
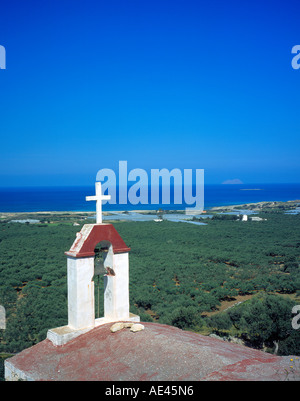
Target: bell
99 267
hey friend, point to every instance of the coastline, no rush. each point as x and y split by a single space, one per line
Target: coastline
78 212
255 206
60 200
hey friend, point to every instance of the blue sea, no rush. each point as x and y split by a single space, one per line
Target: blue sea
25 199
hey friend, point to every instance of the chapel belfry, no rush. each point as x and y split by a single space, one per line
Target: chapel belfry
81 271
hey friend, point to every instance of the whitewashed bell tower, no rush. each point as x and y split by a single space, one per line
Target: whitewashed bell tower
81 270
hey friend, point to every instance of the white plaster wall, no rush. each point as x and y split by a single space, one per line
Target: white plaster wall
81 307
116 289
14 374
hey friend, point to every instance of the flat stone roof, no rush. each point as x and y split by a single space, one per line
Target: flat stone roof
158 353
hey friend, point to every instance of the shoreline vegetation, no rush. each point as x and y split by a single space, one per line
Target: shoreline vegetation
261 206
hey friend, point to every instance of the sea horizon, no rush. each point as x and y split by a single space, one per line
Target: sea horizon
72 198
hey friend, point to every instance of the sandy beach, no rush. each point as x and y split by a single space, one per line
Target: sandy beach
259 206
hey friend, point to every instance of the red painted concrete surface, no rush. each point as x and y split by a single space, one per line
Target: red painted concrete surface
158 353
99 232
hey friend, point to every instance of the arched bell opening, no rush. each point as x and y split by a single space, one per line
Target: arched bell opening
103 267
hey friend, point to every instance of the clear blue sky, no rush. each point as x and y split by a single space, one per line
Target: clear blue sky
159 83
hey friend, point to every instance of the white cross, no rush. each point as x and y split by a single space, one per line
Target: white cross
98 198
